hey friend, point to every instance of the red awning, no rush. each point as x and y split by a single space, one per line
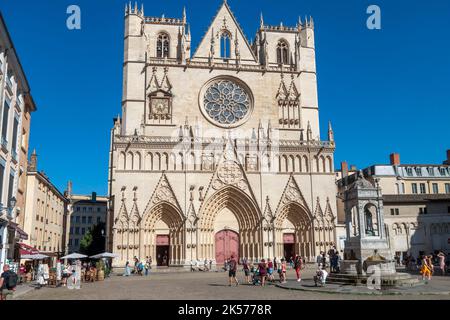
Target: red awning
26 249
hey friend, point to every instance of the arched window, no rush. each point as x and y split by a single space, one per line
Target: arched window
225 43
282 52
162 46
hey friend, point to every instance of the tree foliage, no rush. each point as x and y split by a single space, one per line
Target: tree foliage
93 241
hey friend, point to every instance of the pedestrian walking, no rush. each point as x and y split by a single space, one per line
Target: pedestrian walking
146 266
441 257
298 265
127 269
262 268
283 271
425 269
270 270
8 282
319 259
232 271
246 269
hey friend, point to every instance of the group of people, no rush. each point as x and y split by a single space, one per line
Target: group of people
426 267
331 258
259 274
140 267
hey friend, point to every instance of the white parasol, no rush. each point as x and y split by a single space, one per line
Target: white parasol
38 256
105 255
74 256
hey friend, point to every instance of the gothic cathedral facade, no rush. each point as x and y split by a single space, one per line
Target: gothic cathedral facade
218 150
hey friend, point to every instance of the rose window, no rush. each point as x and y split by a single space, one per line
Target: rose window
226 102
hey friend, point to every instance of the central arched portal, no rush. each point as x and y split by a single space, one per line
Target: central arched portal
229 224
227 245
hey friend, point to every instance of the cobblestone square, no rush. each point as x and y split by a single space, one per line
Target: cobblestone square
210 286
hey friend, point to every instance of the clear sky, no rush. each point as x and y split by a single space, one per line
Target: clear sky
384 90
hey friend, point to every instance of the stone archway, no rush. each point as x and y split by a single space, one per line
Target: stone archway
248 220
294 219
163 221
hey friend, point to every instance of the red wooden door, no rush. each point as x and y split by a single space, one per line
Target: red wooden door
227 244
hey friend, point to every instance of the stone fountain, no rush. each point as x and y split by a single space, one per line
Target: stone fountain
368 258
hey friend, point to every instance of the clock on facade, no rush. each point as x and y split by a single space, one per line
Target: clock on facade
160 106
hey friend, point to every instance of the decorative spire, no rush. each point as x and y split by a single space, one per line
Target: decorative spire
236 49
142 9
135 8
269 131
212 49
261 21
311 22
330 132
196 128
309 132
184 15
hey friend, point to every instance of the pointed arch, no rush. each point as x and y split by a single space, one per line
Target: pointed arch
300 218
322 164
122 158
163 45
298 164
129 161
248 217
137 161
305 166
329 164
282 52
148 162
225 44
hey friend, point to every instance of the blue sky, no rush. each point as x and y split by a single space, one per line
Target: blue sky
384 90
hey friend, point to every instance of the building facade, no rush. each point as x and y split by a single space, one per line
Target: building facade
218 149
86 211
16 105
416 204
45 212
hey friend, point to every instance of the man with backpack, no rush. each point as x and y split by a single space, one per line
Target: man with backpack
8 282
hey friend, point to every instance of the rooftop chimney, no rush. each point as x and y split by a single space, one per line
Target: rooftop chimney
94 196
353 167
69 188
448 157
32 165
344 169
395 159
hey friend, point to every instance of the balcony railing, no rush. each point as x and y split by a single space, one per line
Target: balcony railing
4 143
9 85
14 155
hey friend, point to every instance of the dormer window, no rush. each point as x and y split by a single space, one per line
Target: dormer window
225 43
282 52
442 171
162 46
431 171
409 171
418 171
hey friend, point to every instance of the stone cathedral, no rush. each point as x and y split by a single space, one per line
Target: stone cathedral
218 147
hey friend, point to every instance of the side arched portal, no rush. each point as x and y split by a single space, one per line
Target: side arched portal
162 229
293 225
